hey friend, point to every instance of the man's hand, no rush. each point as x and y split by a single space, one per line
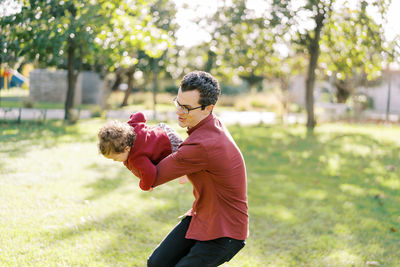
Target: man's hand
183 179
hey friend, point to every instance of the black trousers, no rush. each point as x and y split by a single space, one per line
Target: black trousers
176 250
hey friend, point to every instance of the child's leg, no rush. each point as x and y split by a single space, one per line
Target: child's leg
173 136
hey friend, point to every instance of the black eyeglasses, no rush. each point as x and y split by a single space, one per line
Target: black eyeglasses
184 108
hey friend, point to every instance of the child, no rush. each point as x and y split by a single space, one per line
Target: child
139 146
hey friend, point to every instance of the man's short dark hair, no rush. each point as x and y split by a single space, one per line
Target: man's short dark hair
205 83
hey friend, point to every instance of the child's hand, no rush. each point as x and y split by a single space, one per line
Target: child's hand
183 179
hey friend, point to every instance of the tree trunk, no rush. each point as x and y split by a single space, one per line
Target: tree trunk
155 84
130 87
310 86
117 82
284 82
342 91
388 96
105 93
69 101
210 61
253 81
313 50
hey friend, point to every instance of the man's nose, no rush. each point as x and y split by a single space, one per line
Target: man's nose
179 111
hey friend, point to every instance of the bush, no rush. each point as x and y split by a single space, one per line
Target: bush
232 90
140 98
227 100
258 103
163 98
28 103
95 111
172 89
295 108
362 102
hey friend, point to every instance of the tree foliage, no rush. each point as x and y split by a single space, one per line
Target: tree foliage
329 30
352 50
98 34
242 44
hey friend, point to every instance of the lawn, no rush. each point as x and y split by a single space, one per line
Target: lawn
331 199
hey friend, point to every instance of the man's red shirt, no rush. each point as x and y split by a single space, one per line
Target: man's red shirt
215 166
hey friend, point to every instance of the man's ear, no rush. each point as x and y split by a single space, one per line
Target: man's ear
209 108
127 149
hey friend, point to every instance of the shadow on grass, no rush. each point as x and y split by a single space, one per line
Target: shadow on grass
129 234
18 138
106 185
125 237
312 198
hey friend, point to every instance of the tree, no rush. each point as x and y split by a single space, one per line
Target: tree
102 35
164 12
57 33
246 43
140 35
9 42
352 50
242 44
319 12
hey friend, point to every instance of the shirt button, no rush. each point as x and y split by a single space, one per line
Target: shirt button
194 213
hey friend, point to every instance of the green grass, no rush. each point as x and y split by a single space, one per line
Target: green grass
327 200
40 105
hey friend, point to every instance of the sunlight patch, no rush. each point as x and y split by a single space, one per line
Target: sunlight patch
281 213
280 177
352 189
375 167
285 214
392 182
11 132
357 149
332 162
342 230
342 258
314 194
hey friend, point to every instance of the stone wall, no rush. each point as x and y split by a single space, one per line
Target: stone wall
92 87
51 86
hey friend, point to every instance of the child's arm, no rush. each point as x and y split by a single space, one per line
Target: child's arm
146 172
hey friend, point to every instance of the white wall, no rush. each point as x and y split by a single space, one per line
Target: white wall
379 94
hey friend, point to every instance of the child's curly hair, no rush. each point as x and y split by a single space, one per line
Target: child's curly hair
114 136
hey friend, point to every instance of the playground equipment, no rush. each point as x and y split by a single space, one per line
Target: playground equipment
11 78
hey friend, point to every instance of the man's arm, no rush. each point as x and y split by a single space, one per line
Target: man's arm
188 159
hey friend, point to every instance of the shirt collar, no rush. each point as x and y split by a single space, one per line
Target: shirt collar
202 122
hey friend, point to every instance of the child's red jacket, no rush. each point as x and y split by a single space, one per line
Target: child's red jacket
150 147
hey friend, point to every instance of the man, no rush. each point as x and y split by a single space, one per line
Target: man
214 230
